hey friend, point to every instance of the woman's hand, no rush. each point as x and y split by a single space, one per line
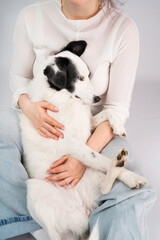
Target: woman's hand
68 171
37 113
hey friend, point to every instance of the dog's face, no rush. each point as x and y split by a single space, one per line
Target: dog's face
67 70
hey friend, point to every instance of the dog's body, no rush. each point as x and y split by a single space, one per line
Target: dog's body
70 208
57 209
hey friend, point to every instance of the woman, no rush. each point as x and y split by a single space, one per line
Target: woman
111 55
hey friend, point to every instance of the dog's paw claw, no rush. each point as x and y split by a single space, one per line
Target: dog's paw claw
139 182
135 187
119 131
121 158
141 185
124 135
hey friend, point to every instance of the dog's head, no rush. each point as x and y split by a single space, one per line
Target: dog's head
66 70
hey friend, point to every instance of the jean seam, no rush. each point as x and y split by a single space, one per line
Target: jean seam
15 219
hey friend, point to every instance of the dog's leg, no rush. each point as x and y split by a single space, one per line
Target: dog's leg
69 236
132 179
86 155
118 163
115 122
53 234
41 205
95 160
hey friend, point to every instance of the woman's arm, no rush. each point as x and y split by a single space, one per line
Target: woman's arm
23 57
21 74
70 170
122 72
101 136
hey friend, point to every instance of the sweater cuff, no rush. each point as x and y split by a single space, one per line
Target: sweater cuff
16 96
120 111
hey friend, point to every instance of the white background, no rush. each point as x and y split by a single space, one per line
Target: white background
143 126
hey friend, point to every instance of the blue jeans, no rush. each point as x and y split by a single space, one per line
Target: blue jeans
121 213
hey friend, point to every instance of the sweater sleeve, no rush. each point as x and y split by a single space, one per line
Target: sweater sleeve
122 72
22 60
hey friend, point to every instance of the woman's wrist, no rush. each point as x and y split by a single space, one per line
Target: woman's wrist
101 136
23 102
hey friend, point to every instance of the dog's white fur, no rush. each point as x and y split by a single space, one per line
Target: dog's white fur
57 209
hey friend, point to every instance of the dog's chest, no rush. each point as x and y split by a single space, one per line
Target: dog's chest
75 116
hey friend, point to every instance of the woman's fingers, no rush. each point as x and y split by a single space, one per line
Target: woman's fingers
45 125
47 133
49 119
41 133
58 169
73 183
49 106
59 161
58 177
64 182
49 124
52 130
53 122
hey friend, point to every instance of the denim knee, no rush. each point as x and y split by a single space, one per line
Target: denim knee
10 130
125 219
12 173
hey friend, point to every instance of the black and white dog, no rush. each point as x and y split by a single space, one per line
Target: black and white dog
63 80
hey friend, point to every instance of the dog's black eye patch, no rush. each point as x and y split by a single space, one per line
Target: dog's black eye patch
62 62
66 75
56 80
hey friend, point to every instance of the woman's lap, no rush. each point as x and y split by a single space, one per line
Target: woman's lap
15 218
123 210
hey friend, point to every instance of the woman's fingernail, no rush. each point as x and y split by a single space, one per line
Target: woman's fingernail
61 136
55 108
62 127
56 138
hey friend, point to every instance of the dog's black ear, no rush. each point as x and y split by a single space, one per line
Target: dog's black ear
57 80
76 47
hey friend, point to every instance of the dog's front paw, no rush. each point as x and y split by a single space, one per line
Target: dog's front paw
114 171
132 179
118 129
121 158
138 182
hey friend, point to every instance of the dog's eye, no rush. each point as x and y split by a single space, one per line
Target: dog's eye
81 78
89 75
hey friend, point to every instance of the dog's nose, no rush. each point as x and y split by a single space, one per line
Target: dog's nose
96 99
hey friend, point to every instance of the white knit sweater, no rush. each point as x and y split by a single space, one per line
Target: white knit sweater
111 54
